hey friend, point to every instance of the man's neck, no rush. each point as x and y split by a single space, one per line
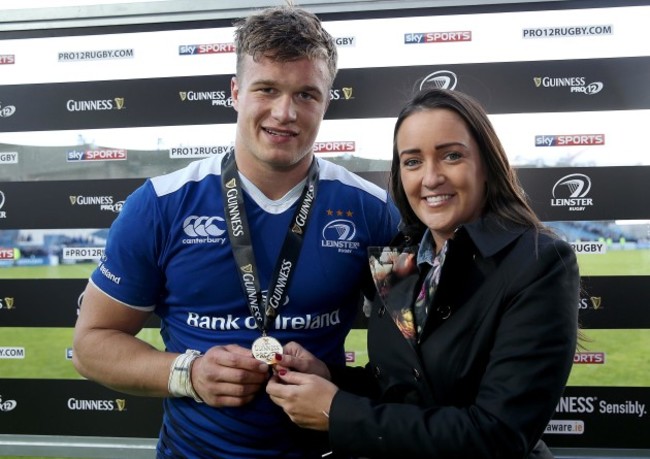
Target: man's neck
274 182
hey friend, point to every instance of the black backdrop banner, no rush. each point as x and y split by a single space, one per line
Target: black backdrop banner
59 183
64 204
95 204
502 87
585 415
79 408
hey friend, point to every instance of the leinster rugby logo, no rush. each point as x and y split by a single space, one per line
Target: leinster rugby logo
571 192
442 79
340 234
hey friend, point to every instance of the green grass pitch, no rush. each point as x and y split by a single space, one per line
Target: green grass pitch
626 363
612 263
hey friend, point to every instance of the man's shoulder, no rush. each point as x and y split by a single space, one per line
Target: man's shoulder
332 172
193 172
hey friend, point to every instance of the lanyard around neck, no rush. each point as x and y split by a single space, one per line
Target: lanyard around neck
264 310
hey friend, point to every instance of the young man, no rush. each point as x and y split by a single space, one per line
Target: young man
238 254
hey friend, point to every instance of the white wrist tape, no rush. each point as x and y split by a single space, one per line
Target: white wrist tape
180 376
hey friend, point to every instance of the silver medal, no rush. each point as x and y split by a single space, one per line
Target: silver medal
264 349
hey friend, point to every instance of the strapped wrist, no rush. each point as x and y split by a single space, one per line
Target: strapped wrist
180 376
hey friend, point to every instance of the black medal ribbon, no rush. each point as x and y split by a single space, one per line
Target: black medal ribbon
264 310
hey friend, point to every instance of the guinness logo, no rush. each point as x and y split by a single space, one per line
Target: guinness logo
596 301
248 269
121 404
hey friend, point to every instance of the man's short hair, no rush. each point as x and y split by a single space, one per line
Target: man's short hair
284 33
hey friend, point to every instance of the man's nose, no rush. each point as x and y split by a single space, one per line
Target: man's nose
284 109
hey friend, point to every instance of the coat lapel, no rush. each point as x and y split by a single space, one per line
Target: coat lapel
396 288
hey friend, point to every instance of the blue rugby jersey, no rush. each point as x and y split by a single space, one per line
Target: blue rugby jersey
168 252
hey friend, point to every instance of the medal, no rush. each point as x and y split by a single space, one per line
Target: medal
264 349
264 310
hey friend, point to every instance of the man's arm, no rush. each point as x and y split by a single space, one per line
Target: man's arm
106 350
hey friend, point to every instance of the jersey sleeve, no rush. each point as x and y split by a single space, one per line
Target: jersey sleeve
129 272
391 222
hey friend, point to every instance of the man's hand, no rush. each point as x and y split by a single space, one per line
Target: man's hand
228 376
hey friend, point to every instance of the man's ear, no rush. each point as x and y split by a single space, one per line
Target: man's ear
328 98
234 92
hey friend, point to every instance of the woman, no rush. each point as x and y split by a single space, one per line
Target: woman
472 335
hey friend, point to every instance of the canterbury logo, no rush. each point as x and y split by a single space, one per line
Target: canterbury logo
195 226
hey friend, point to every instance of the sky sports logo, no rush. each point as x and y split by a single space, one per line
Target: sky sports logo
7 59
592 358
97 155
335 147
206 48
569 140
437 37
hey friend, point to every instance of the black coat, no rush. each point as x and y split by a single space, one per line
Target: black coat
482 383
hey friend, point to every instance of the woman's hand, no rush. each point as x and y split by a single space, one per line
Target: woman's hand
306 398
295 357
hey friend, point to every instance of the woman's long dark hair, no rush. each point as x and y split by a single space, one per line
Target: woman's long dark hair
504 195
